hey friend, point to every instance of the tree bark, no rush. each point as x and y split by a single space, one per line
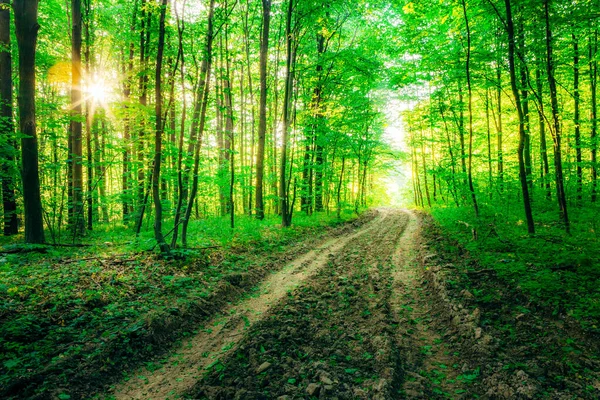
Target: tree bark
7 128
262 123
558 168
522 133
470 106
593 51
159 130
26 31
289 81
76 123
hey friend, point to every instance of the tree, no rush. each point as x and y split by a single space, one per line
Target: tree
7 128
26 28
262 122
75 129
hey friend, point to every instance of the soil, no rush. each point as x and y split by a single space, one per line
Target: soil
373 314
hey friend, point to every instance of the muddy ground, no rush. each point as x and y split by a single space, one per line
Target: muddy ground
370 315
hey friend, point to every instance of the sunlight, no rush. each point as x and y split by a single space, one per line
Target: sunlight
97 91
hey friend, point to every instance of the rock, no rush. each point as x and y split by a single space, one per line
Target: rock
263 367
478 332
284 397
325 379
456 320
466 294
312 389
476 315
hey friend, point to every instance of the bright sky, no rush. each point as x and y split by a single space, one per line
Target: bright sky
398 181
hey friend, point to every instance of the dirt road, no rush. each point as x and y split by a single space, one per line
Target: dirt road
345 320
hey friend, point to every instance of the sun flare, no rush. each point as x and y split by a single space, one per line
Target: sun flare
98 92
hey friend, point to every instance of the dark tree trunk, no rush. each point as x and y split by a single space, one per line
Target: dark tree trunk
159 130
76 124
519 104
7 128
470 106
545 170
289 81
593 51
199 120
262 123
26 31
576 119
558 168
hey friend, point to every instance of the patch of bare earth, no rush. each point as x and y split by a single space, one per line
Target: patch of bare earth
352 331
428 363
220 335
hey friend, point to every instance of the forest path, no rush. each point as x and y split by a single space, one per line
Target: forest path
347 320
221 335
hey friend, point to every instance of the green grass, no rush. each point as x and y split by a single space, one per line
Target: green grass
97 306
558 271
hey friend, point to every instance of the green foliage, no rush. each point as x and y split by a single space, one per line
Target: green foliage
559 272
70 309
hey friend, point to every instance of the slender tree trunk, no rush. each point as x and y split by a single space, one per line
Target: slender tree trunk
128 73
199 119
7 128
545 170
499 128
159 130
558 168
593 51
519 104
26 31
262 124
470 105
88 120
576 118
289 81
229 134
76 117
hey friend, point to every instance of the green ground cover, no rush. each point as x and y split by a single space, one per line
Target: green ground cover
72 312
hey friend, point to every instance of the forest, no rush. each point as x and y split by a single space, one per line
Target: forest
296 199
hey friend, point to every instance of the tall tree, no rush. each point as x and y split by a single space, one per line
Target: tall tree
75 130
158 133
7 128
26 28
556 132
262 122
510 28
470 106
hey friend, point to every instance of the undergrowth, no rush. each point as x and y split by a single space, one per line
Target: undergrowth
74 307
558 271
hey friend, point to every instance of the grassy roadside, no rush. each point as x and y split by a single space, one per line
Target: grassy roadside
522 309
71 319
556 271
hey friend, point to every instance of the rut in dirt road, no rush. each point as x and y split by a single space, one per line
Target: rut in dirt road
221 335
335 336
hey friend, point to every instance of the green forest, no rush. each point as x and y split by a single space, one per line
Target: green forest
297 199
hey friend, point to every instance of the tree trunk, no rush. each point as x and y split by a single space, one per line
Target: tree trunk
26 31
289 81
576 118
558 168
519 105
158 235
545 170
262 123
470 105
593 51
199 119
76 124
7 128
